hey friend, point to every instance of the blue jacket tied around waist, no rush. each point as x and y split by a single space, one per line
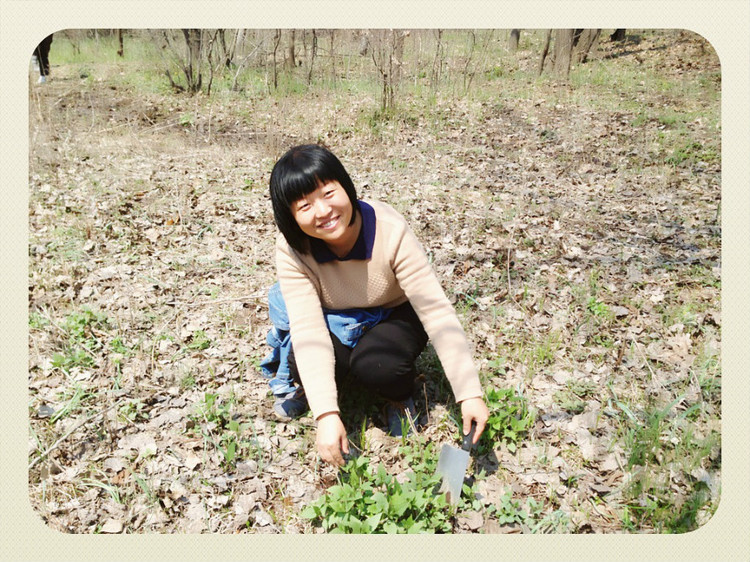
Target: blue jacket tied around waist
347 325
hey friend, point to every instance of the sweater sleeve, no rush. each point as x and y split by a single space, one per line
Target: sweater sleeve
419 282
313 350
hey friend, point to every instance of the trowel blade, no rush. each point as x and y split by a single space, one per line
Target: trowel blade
452 466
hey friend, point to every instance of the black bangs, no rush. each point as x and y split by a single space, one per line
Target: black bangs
298 173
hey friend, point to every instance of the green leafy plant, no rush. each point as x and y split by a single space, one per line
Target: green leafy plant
508 511
217 425
510 419
71 358
368 500
199 340
597 307
133 410
80 327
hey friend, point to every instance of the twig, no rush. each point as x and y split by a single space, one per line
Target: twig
507 269
69 432
426 402
645 360
220 301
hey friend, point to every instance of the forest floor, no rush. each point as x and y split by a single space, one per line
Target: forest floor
576 229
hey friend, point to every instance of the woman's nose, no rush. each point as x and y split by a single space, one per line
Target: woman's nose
322 208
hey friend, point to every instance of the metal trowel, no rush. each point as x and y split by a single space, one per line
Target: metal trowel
452 466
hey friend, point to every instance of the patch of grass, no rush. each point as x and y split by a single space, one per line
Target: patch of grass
691 153
215 421
79 325
539 353
703 275
664 455
75 398
83 342
67 244
187 381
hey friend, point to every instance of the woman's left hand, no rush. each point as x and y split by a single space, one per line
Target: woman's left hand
474 409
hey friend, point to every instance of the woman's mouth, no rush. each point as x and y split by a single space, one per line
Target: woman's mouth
330 224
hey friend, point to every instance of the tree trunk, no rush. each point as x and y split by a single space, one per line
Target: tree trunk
121 50
276 41
587 40
364 44
333 58
193 41
515 37
618 35
313 52
291 60
398 60
545 51
437 63
563 51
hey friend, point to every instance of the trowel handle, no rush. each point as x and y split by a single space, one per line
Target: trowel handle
466 443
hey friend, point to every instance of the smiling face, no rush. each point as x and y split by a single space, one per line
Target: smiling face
326 213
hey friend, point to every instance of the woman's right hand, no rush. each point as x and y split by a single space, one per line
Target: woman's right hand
331 439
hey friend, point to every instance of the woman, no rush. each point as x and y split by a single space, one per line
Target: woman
354 267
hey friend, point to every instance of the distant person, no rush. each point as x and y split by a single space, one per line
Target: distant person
42 57
359 298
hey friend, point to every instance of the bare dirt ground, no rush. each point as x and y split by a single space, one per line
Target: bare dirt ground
576 247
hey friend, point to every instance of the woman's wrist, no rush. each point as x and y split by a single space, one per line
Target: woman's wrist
327 414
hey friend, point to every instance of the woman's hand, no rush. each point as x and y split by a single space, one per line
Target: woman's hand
474 409
331 439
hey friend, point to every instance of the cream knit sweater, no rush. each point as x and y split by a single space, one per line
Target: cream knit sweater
398 271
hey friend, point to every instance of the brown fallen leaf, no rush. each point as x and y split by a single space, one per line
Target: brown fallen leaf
471 519
112 526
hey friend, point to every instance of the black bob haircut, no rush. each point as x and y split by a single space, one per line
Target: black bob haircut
299 172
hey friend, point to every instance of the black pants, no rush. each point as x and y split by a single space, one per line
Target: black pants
42 55
383 359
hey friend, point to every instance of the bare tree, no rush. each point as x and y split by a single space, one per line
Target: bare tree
387 54
276 41
228 50
192 67
470 70
332 54
437 62
515 37
240 41
313 53
364 43
186 55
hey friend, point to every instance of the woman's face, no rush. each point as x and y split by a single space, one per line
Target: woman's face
325 213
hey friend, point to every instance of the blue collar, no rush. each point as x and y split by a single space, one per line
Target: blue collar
362 249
